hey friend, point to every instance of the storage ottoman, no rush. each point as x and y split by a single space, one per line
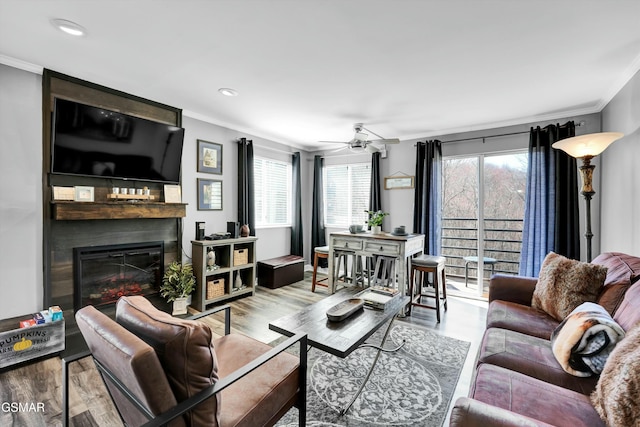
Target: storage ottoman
280 271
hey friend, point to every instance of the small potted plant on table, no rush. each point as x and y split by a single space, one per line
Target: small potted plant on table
177 284
375 220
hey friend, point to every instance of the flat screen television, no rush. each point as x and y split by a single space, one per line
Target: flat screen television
92 141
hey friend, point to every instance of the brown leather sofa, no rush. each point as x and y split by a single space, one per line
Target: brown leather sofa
518 381
175 372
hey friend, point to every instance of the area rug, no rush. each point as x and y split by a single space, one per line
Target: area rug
410 387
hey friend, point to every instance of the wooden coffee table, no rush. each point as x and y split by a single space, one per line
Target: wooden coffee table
341 338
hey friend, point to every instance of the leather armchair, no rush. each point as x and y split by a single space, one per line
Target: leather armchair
162 370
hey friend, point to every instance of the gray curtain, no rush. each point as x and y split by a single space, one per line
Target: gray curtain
551 201
317 215
427 204
296 217
246 202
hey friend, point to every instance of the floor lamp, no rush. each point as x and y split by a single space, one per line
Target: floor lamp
586 147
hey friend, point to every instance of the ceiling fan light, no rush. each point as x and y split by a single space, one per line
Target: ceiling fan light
228 91
69 27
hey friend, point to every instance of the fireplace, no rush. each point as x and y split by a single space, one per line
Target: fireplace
102 274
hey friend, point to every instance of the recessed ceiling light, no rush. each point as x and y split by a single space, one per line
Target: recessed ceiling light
69 27
228 92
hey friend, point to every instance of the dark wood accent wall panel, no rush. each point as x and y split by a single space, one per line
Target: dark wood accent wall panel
119 222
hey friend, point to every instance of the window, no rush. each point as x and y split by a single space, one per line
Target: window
272 192
346 194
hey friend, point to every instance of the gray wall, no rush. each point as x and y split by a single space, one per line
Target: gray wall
273 241
21 288
619 187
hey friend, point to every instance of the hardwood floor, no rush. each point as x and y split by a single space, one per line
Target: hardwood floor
40 383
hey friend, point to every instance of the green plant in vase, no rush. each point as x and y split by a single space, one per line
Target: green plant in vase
375 220
178 283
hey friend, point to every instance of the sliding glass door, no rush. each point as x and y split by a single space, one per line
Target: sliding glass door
483 208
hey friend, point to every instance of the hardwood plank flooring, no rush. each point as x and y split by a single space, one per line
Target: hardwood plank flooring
90 404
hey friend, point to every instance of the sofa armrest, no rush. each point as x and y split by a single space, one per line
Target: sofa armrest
469 412
518 289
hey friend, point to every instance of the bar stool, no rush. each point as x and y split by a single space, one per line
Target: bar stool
486 260
319 252
384 273
342 257
425 264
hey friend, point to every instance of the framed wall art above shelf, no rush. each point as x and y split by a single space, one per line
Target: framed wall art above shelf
398 181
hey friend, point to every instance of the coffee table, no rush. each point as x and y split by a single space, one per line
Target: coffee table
341 338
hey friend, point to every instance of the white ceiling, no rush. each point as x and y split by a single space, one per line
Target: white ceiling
306 70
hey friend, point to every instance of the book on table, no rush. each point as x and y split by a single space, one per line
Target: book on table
378 297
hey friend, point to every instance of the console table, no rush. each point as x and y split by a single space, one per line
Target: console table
368 244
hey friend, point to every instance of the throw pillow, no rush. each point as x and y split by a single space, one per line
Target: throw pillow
617 395
563 284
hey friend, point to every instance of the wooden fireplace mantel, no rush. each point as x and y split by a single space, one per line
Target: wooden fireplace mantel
68 210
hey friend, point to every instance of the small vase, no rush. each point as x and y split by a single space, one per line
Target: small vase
376 229
238 282
179 306
244 230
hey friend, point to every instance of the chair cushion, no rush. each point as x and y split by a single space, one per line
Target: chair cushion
564 284
429 261
132 361
533 398
185 349
530 356
617 395
520 318
262 396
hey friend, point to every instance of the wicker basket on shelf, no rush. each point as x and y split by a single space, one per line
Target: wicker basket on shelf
215 288
240 257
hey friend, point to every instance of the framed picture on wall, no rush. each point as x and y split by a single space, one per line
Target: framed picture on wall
209 195
209 157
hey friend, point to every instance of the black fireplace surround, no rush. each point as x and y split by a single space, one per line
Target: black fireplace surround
102 274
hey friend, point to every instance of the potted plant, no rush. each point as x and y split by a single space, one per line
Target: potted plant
375 220
177 284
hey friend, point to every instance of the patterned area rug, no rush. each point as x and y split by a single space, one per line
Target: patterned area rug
410 387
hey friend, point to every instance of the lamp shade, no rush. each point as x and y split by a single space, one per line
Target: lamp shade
588 145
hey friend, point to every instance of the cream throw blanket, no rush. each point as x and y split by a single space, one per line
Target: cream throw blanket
584 339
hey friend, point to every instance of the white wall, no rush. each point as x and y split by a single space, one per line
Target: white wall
620 183
21 289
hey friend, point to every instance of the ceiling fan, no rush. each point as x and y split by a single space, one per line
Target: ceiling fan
361 141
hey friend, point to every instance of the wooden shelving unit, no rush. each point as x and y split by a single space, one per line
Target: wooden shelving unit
233 257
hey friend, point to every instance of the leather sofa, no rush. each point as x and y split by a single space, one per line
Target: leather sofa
517 380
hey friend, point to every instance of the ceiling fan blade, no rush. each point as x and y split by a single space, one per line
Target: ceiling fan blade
335 142
386 141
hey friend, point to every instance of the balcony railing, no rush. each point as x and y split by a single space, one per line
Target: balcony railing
502 241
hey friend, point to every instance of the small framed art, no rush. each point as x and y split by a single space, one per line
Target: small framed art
209 194
172 193
83 194
398 182
209 157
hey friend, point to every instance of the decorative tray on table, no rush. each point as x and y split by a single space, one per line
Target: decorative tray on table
344 309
